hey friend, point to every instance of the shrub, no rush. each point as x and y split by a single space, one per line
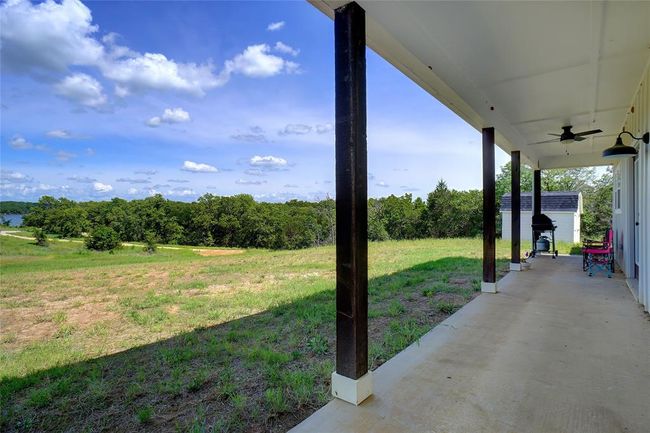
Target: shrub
150 243
41 237
103 239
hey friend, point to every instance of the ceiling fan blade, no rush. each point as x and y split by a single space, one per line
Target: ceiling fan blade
579 138
557 135
545 141
593 131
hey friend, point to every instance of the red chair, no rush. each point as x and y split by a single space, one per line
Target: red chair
590 243
599 256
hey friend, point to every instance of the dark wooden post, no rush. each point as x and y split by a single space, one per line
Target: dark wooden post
515 188
537 198
537 192
351 193
489 213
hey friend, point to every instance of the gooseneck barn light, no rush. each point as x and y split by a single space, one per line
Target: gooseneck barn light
620 150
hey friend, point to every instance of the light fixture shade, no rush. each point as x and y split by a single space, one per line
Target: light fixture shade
619 150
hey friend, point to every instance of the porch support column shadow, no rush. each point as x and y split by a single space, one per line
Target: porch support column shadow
489 283
515 214
537 199
351 381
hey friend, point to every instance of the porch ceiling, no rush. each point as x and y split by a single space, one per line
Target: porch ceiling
540 65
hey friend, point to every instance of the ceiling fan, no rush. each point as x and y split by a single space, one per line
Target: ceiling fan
568 136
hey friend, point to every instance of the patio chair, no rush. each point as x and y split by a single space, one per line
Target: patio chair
591 243
600 258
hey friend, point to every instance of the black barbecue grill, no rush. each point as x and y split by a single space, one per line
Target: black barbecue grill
543 224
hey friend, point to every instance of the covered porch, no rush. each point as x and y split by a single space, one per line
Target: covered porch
553 351
553 84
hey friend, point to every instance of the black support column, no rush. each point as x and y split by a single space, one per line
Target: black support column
351 203
515 188
489 213
537 198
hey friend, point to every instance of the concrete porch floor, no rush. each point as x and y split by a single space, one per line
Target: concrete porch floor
553 351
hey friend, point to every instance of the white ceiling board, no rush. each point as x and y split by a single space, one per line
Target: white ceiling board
526 68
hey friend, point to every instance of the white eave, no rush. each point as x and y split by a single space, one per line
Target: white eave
525 68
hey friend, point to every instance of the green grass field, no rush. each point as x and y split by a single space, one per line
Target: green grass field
178 341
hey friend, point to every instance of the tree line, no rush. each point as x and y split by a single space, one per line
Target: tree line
16 207
240 221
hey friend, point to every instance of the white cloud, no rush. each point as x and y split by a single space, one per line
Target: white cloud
147 172
181 192
82 89
154 71
59 133
132 191
47 36
256 62
255 172
198 167
102 187
267 161
14 177
18 142
121 91
250 138
324 128
249 182
90 151
24 189
154 121
81 179
62 155
295 129
170 115
382 184
175 115
286 49
53 36
275 26
131 180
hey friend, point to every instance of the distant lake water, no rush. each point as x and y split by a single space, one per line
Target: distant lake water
14 219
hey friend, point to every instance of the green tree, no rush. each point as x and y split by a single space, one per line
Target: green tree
150 245
103 238
41 237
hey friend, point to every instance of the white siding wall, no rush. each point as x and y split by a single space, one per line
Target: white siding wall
637 122
568 226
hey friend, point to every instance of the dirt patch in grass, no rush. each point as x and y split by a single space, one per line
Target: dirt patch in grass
35 324
449 298
23 335
88 314
210 253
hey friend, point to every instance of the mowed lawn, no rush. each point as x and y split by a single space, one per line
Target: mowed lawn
178 341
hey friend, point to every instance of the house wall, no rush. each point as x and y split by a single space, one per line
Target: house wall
635 194
568 226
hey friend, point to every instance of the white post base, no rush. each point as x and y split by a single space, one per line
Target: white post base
351 390
488 287
516 267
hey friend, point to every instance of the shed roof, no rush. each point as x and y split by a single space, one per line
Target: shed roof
567 201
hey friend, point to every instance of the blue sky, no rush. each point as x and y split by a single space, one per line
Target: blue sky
130 99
